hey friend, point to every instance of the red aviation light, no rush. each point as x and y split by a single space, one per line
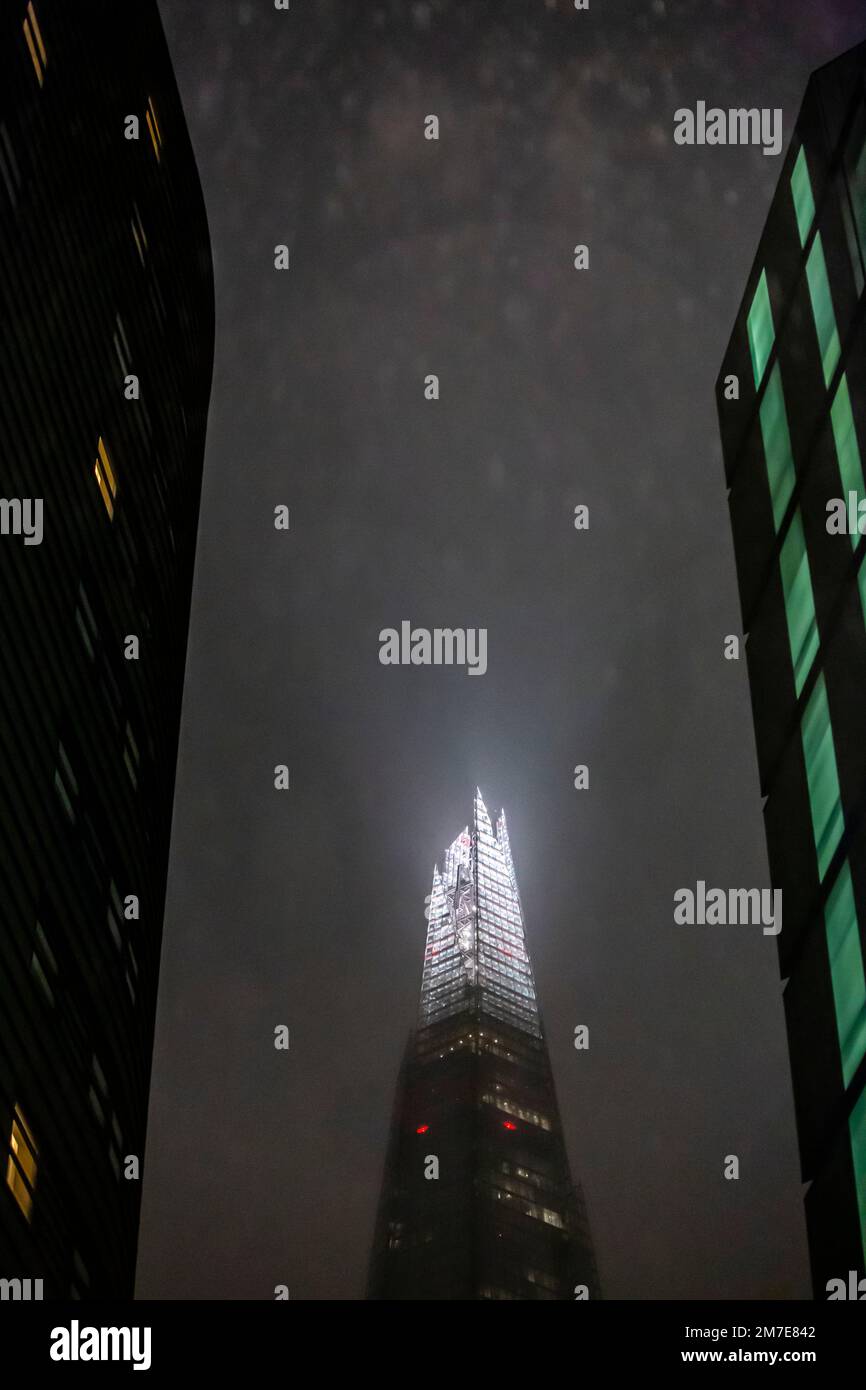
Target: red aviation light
422 1129
508 1124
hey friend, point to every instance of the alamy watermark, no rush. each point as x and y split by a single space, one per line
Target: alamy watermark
21 1290
439 646
77 1343
846 517
22 516
729 907
854 1290
736 126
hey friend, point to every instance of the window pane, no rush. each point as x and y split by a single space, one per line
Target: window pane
846 969
822 775
760 328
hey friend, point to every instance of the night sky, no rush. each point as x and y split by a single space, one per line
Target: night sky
305 907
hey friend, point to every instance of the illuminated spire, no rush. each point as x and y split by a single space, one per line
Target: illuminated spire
476 947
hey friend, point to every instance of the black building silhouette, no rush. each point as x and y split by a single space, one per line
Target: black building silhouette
106 353
792 406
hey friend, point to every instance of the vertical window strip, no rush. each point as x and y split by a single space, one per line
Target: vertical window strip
857 1130
822 776
850 464
845 440
152 132
778 454
801 192
21 1163
846 972
152 110
104 474
793 559
822 309
38 32
816 269
759 326
37 66
799 601
857 186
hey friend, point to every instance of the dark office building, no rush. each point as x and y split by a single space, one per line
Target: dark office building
794 433
477 1201
106 353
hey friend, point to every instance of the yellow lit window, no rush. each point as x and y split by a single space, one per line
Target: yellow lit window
21 1164
153 127
33 36
104 474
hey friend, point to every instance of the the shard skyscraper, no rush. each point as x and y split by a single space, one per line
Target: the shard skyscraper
478 1201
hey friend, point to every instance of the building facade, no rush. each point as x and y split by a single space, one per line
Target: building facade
106 354
477 1201
792 405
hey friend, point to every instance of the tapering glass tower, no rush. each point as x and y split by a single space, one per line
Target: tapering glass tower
478 1201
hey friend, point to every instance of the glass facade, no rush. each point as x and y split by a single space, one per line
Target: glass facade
496 1216
798 354
106 353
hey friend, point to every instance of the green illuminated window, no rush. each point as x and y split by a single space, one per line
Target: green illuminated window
846 970
855 163
777 446
822 308
760 328
850 463
801 191
845 439
816 268
822 776
858 1152
799 603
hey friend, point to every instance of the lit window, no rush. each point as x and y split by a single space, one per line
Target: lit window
776 437
799 601
21 1163
801 192
857 1128
822 776
846 971
153 127
850 463
816 269
104 474
760 329
822 309
33 36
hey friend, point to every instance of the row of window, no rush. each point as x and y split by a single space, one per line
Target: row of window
840 915
519 1112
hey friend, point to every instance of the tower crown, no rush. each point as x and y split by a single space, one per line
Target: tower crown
476 947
